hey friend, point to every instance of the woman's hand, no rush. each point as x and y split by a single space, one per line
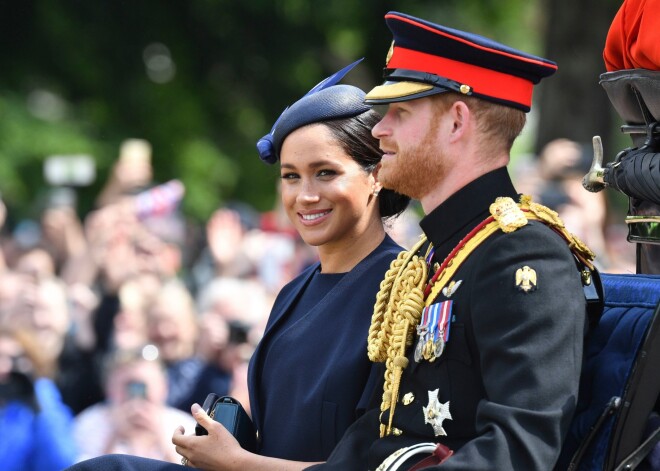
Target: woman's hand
217 451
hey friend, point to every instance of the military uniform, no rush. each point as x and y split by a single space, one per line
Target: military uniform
507 380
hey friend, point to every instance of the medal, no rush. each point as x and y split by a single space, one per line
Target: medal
428 350
433 331
442 331
434 317
422 332
439 346
419 349
435 413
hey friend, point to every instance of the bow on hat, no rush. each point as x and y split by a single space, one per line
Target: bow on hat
324 102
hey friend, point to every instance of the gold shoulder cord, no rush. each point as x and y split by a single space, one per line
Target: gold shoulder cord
552 219
397 312
400 301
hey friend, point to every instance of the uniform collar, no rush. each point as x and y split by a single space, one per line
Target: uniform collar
447 224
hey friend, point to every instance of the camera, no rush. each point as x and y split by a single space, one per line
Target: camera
238 332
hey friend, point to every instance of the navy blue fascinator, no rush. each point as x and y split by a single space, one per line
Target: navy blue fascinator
324 102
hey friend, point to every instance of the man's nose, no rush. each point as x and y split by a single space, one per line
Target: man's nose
381 128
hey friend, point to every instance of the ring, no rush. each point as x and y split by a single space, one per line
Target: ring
184 461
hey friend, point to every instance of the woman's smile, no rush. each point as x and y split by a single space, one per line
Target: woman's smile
312 218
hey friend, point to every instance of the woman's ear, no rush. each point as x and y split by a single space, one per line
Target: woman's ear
376 185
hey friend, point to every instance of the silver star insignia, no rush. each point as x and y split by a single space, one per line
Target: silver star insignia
435 412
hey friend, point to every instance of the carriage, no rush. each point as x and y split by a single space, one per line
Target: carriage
617 422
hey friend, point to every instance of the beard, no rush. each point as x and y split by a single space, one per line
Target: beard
416 170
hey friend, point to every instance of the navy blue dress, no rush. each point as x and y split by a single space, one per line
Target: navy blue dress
309 376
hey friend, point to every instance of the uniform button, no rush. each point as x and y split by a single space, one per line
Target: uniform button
408 398
396 431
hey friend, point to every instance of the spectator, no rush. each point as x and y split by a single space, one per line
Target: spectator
42 307
562 164
135 418
233 315
172 326
36 262
130 322
35 425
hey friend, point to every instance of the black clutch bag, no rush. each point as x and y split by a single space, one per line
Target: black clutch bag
230 413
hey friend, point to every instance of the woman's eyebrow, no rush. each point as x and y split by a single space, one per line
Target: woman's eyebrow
315 164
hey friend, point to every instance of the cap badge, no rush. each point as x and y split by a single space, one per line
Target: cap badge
390 52
435 413
526 279
451 288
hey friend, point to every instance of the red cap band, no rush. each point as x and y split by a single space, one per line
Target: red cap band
483 81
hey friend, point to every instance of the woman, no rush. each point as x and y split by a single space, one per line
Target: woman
310 376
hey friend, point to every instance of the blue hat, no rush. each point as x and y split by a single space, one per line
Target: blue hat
324 102
426 59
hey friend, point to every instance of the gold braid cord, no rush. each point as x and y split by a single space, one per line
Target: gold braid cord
551 218
397 313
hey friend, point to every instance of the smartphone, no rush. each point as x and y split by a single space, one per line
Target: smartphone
136 389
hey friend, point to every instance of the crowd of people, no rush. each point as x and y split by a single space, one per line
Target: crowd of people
125 282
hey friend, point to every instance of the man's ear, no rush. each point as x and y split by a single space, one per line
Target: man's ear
461 116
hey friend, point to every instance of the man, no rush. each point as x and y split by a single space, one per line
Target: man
480 328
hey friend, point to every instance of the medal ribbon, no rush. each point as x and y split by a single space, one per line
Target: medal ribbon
433 321
443 323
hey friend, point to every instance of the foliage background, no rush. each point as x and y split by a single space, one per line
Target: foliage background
202 80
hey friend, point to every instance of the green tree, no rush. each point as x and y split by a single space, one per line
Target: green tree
202 80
